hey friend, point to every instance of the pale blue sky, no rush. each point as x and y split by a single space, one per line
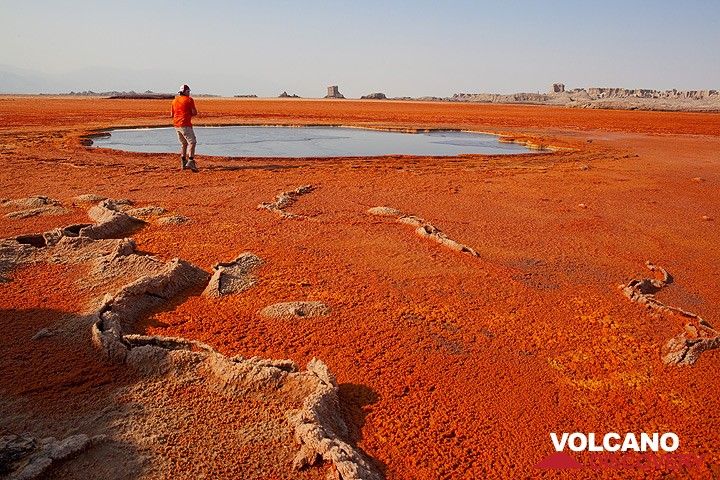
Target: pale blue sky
401 48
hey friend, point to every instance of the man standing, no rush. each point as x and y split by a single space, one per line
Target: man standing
182 111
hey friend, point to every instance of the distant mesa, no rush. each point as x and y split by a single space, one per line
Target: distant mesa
374 96
557 88
285 95
147 95
246 96
334 92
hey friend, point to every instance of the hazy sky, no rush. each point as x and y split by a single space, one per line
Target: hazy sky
402 48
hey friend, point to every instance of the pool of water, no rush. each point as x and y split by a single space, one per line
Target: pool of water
256 141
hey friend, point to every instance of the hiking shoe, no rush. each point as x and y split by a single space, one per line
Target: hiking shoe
191 165
183 163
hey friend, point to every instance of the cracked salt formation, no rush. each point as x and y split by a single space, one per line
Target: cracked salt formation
319 429
317 424
285 200
233 277
119 312
74 243
698 335
423 228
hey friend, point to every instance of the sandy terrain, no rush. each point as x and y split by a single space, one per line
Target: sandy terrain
461 328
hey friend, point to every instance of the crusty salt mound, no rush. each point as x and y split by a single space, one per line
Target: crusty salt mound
89 198
698 335
286 199
385 212
423 228
34 212
32 207
37 201
292 310
118 204
233 277
302 404
151 211
173 220
110 221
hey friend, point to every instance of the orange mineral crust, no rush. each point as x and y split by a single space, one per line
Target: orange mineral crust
449 363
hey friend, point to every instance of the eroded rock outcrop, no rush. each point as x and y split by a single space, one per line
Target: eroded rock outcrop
374 96
423 228
602 97
334 92
697 336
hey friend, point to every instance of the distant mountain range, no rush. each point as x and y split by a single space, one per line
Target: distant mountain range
100 79
116 80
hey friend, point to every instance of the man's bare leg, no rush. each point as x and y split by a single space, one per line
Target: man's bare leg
183 155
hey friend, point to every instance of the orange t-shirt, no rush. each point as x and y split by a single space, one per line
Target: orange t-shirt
182 111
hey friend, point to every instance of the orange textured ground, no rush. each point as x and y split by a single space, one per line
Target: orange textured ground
449 366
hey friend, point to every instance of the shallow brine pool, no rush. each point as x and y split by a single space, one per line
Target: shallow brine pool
256 141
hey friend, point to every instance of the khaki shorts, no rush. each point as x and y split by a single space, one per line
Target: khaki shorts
186 135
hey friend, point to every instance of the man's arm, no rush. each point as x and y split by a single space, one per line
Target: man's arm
172 110
193 111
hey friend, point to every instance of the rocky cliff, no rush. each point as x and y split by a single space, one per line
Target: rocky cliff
601 97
